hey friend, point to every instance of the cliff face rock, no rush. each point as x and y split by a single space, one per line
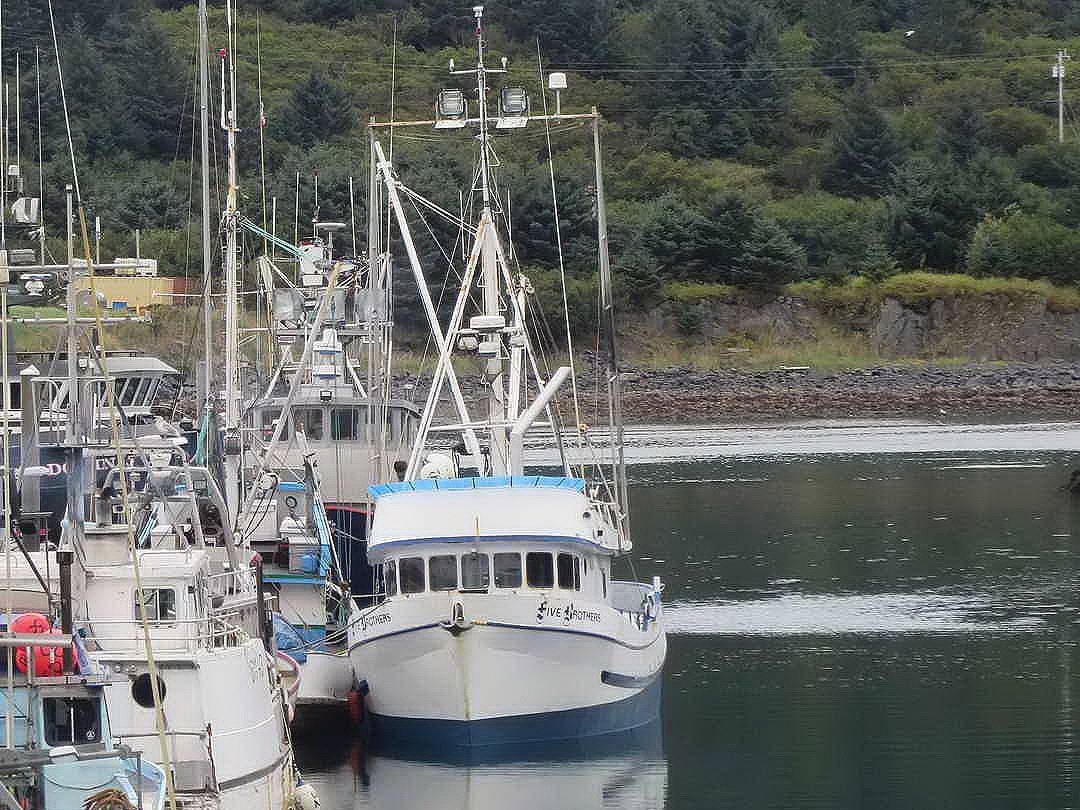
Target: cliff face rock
977 327
974 327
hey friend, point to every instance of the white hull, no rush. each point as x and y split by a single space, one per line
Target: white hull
239 706
565 677
325 681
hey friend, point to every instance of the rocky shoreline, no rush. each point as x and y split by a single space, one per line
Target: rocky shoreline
991 391
1007 391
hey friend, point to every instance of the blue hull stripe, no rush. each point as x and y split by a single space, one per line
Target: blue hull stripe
609 718
511 627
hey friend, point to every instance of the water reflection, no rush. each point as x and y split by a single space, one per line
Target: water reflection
626 771
850 628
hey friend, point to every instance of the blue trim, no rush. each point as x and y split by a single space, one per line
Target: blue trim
375 548
489 482
416 629
294 580
609 718
507 626
291 486
572 632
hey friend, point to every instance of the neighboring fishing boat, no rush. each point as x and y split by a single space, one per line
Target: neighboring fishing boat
152 578
63 755
499 620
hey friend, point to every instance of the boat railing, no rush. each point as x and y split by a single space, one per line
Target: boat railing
169 637
637 602
233 583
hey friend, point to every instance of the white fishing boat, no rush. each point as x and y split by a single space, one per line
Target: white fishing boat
499 619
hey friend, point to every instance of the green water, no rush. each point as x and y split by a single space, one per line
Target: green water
847 629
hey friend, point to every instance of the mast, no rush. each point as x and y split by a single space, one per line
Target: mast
498 416
204 124
607 305
233 441
40 151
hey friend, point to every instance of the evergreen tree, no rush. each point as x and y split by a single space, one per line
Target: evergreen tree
931 215
317 110
864 151
834 27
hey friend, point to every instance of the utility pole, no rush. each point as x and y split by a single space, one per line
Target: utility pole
1058 72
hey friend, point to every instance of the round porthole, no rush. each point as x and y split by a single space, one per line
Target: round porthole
290 501
143 693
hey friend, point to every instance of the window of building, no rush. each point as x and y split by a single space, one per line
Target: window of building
390 577
539 569
476 572
411 573
507 570
565 566
309 420
71 721
159 604
442 572
345 424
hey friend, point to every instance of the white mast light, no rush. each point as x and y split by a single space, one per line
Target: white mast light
451 110
513 108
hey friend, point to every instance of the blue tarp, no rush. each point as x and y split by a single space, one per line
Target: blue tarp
488 482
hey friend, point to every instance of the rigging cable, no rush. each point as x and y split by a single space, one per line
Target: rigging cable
558 241
114 423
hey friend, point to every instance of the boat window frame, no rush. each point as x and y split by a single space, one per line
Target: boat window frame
550 571
303 411
486 572
153 608
559 558
434 577
577 572
390 584
357 423
422 564
520 570
79 735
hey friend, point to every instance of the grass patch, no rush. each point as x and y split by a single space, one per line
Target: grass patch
691 292
921 288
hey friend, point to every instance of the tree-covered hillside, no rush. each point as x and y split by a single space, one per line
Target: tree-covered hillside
748 142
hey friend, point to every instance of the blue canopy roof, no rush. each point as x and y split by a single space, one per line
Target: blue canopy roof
489 482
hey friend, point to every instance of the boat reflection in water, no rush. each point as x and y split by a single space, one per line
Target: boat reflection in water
626 771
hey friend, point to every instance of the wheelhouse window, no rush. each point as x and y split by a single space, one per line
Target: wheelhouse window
129 386
267 421
309 420
476 572
71 721
565 565
442 572
507 570
390 577
411 572
539 569
577 573
158 604
346 423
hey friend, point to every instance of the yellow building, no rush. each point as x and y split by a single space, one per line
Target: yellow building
125 294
